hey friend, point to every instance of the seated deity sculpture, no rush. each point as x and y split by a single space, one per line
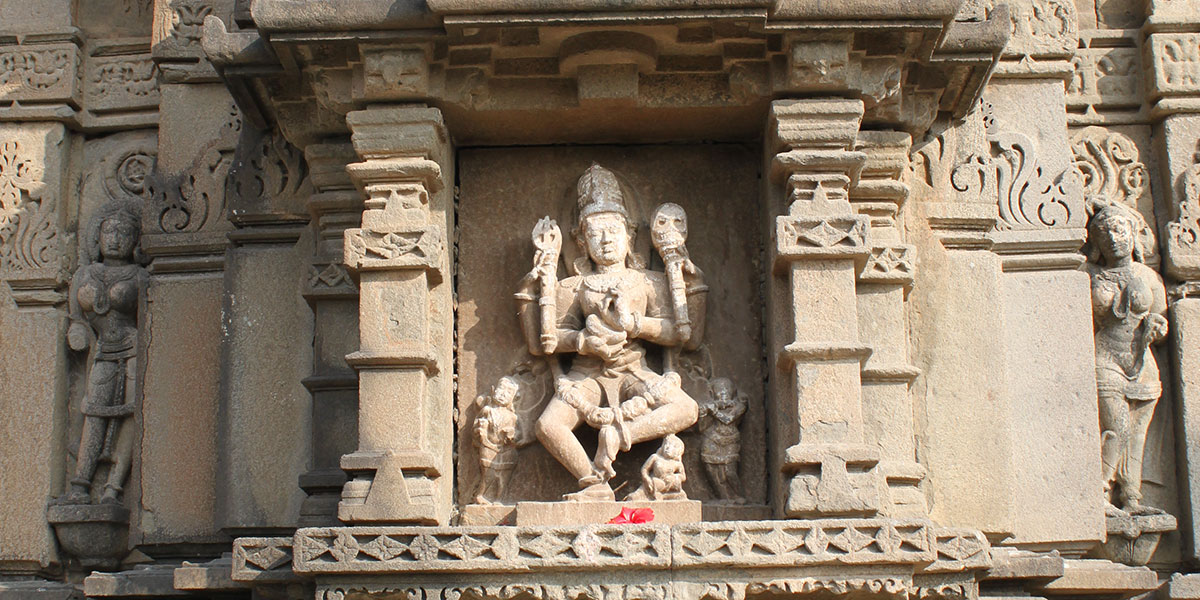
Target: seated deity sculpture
605 320
663 474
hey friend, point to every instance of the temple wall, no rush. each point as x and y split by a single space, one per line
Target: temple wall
305 299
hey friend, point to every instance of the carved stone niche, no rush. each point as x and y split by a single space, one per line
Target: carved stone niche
717 186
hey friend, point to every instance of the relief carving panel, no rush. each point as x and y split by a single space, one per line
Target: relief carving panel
719 426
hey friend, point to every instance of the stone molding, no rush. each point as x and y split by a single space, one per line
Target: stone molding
97 86
502 549
744 55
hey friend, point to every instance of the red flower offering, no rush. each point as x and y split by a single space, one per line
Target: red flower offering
633 515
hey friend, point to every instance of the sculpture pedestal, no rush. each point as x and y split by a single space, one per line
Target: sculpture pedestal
1132 539
97 535
666 512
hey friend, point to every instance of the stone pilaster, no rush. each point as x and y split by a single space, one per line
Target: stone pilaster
267 337
35 262
819 246
332 294
883 284
1179 139
1028 171
961 390
185 235
402 470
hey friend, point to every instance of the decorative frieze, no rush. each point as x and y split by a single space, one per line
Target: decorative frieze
1106 76
889 264
39 73
1183 232
120 85
1027 196
31 241
1175 58
262 559
395 249
178 30
1040 28
746 544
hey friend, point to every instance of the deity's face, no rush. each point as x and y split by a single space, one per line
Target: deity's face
117 239
722 390
505 392
673 448
1116 238
607 238
669 226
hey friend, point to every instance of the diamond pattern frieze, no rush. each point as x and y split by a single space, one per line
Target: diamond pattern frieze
262 559
799 238
490 549
779 543
743 544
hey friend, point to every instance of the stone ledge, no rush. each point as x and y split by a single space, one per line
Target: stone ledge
912 544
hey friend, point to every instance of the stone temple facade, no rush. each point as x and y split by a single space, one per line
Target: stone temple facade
600 300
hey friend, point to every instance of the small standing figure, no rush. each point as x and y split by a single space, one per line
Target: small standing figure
662 473
105 299
1128 303
721 444
496 437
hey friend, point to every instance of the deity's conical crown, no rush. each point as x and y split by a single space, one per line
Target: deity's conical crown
599 192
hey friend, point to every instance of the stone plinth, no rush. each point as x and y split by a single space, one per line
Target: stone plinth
1132 539
96 535
667 512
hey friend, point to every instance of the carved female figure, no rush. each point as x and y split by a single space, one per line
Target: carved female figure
606 316
106 298
1128 302
721 447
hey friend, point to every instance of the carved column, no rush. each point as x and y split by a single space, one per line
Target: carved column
332 294
1048 346
402 470
960 397
35 260
819 246
267 337
1173 90
1179 135
883 285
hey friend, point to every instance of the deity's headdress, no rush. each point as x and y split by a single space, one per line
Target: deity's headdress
599 192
